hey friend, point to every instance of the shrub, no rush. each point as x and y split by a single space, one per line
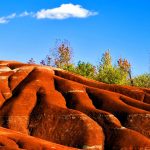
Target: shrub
142 80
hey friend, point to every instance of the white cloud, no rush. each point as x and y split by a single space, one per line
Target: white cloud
65 11
6 19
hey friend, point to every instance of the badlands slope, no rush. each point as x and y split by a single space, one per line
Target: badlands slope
44 108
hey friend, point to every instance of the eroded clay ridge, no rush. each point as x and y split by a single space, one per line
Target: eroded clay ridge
44 108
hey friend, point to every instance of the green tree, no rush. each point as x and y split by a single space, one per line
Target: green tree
70 67
85 69
142 80
109 73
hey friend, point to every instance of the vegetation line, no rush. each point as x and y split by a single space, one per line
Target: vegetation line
61 57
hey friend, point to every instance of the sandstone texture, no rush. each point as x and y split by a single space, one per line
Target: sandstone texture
45 108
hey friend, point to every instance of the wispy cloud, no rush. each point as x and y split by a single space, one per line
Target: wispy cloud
12 16
65 11
3 20
62 12
6 19
25 14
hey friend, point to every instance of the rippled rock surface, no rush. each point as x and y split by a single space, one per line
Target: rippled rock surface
45 108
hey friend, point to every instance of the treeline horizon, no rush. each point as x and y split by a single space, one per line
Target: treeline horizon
61 56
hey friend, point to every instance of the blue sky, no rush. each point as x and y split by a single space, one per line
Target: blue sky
29 28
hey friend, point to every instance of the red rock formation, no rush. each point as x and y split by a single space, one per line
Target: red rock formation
47 108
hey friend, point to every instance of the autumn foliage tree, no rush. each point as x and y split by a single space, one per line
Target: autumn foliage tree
63 55
60 56
125 66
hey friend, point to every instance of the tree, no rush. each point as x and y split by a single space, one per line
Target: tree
105 68
47 61
106 60
31 61
109 73
70 67
62 54
86 69
142 80
125 66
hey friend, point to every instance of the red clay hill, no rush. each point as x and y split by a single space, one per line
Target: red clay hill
45 108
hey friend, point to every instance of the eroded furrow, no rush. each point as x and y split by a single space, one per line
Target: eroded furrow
77 98
133 92
42 106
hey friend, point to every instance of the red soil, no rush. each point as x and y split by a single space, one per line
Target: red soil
48 108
